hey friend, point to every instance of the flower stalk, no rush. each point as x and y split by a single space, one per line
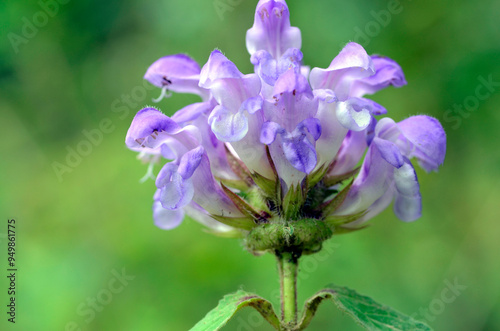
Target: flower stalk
288 268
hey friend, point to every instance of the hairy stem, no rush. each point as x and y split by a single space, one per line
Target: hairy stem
288 266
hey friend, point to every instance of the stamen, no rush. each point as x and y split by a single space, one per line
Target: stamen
165 93
140 141
149 173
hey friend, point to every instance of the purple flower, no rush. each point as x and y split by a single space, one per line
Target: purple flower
283 143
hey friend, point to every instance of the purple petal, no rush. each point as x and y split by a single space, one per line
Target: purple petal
373 107
215 149
190 162
252 105
312 125
270 69
408 202
266 66
352 63
350 153
168 151
271 30
370 131
293 101
176 192
178 73
387 129
250 150
387 72
192 111
218 67
389 151
228 126
229 87
166 219
427 138
370 184
294 83
354 114
146 126
375 208
173 180
325 95
209 195
333 133
300 152
287 173
269 132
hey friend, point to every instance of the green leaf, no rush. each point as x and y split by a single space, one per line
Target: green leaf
268 186
239 168
337 220
332 205
241 204
313 178
245 223
364 310
335 179
231 234
292 202
234 183
230 304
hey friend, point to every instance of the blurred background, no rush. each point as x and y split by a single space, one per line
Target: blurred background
89 256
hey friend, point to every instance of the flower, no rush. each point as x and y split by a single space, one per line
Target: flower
282 145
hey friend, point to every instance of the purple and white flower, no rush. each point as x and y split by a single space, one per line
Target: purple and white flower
284 135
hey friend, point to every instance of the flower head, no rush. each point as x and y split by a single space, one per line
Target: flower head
283 146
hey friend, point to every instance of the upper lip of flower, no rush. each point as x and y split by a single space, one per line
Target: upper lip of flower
288 131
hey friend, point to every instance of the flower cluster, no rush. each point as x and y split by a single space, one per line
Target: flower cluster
283 144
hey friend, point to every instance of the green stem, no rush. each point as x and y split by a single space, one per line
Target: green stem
288 266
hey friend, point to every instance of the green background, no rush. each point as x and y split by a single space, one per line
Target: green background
73 73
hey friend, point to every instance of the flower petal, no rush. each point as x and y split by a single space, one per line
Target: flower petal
252 105
228 126
190 162
387 72
270 69
148 120
333 133
151 130
218 67
294 83
408 202
229 87
178 73
174 181
271 30
351 64
311 125
370 185
269 132
300 152
192 111
390 152
166 219
297 147
354 114
427 139
293 101
200 215
251 150
208 193
350 152
177 192
145 127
